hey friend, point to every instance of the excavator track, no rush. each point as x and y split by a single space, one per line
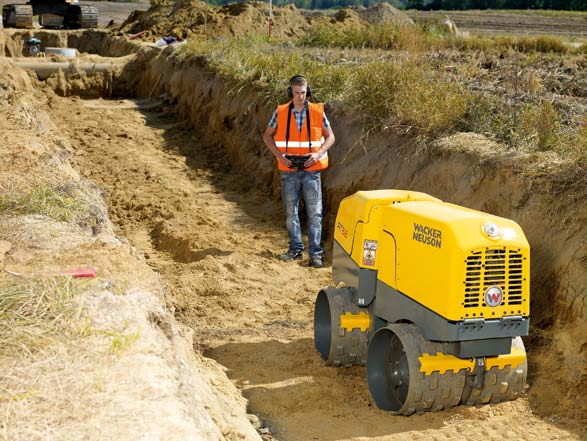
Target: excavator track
82 17
17 16
88 17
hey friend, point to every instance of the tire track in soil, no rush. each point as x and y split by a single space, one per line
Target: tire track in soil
214 237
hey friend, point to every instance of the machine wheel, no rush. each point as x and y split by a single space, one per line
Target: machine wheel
499 384
17 16
393 373
335 340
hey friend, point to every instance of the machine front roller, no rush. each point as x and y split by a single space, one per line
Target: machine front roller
341 328
394 377
504 384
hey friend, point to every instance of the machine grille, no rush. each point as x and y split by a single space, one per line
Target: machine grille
493 267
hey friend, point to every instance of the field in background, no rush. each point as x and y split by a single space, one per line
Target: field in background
490 22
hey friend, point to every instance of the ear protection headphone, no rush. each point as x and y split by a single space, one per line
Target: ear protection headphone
296 78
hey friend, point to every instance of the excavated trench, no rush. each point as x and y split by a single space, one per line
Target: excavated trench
188 181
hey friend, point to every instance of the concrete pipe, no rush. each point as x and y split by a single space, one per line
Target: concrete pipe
44 69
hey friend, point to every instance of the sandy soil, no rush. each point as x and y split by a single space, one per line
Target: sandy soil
115 12
212 235
214 239
474 22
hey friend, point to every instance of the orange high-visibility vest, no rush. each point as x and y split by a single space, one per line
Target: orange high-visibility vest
298 142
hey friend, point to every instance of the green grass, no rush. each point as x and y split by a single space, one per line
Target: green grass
120 342
260 64
42 199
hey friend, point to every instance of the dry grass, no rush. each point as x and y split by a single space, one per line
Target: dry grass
51 358
430 36
407 95
526 44
40 392
378 36
405 90
40 322
43 199
37 313
37 193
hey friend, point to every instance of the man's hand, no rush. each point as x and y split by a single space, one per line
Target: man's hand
281 158
313 159
328 141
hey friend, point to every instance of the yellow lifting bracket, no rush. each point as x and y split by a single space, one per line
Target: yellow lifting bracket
361 321
445 362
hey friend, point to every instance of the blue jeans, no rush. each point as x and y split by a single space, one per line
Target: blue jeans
308 185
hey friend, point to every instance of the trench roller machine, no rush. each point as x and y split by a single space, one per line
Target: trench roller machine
431 297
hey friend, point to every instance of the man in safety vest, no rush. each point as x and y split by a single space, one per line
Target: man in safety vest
299 135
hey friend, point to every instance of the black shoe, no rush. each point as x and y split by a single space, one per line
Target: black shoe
291 255
316 262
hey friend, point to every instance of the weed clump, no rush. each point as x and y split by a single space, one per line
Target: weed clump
37 313
46 200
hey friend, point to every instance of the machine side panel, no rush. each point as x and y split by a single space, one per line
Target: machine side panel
367 286
393 306
344 269
427 260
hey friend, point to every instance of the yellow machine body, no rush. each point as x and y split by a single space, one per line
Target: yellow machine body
434 300
439 254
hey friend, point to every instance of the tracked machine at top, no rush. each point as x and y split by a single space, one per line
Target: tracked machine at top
68 14
432 297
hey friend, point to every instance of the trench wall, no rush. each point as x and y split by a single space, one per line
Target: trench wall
544 196
466 169
94 41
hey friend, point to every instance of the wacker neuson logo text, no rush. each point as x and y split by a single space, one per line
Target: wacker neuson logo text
427 235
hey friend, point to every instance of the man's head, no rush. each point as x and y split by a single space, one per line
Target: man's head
299 90
298 80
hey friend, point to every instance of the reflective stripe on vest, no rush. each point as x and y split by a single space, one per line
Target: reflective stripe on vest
298 143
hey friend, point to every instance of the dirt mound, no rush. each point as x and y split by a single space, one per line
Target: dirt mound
382 13
13 79
196 19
